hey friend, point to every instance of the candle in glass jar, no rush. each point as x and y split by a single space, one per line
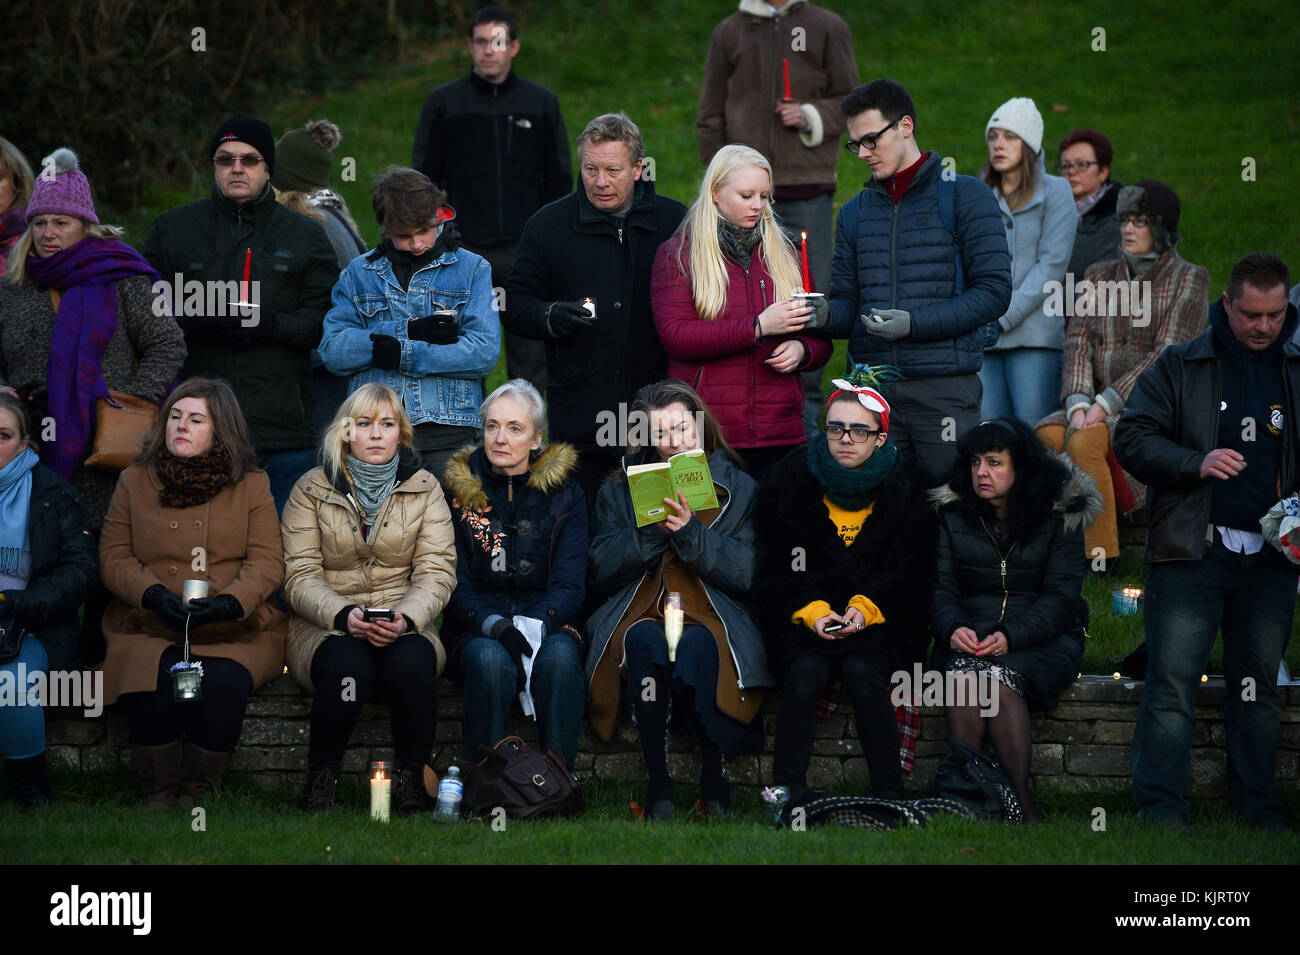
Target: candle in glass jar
673 622
381 791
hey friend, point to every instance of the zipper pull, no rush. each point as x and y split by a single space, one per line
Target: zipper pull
620 235
510 487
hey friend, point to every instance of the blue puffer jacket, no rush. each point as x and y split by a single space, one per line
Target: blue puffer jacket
438 383
901 256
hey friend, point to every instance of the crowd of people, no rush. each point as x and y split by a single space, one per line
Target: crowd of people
325 464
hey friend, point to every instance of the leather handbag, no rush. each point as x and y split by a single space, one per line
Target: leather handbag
979 783
11 639
525 783
123 424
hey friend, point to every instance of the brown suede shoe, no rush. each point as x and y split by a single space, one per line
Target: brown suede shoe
202 769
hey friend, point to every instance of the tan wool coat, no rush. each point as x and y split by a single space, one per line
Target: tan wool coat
144 543
409 564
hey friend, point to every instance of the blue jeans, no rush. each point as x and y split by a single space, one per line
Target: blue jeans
559 693
283 468
22 728
1253 599
1024 383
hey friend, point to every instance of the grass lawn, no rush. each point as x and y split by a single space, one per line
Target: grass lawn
101 822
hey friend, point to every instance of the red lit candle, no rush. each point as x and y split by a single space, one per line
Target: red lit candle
785 73
248 264
803 250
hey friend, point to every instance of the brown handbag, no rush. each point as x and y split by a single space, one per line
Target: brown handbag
123 424
525 783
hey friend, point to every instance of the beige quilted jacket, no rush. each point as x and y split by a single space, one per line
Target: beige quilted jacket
409 564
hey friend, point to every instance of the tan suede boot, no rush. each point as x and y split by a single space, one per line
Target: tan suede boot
160 773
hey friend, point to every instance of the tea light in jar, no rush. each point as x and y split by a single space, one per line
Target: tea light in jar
590 305
381 791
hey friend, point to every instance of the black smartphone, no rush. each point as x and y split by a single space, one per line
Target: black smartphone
832 627
371 614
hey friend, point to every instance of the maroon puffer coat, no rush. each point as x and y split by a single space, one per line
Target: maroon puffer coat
755 406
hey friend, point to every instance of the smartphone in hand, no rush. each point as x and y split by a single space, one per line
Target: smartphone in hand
371 614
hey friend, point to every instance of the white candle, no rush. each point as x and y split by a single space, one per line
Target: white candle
673 622
381 790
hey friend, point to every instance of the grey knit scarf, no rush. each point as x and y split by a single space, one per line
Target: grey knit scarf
372 483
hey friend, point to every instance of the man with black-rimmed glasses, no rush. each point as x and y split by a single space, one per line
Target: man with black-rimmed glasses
921 267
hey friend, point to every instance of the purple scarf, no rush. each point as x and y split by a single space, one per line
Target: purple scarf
83 327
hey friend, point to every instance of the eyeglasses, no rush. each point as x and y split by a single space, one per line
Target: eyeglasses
251 161
1080 166
856 435
869 142
1140 222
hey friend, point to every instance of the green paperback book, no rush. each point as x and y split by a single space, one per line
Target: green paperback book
687 472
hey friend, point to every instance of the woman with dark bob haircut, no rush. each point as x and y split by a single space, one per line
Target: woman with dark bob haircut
1008 602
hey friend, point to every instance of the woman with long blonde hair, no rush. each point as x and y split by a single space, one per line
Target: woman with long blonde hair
722 292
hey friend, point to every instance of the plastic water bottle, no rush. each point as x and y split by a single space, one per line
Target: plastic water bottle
450 791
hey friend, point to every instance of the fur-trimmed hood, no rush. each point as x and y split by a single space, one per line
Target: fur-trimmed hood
1078 505
556 462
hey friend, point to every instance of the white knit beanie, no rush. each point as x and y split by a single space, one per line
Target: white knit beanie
1019 115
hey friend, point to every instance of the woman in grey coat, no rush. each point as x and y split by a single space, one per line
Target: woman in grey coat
1021 373
719 668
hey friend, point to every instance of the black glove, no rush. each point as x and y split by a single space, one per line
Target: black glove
214 609
565 318
434 329
516 644
166 605
387 352
267 327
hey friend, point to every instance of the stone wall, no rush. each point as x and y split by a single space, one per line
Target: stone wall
1082 744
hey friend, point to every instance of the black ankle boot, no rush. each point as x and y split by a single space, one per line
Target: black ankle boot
29 779
319 792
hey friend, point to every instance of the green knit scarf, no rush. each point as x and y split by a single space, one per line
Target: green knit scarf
851 490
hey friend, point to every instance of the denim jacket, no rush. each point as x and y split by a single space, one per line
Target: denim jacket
438 383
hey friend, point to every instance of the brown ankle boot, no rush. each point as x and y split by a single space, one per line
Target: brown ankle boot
160 773
202 769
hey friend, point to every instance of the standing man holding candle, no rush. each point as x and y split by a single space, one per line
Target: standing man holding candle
773 80
240 245
599 243
496 144
1211 429
921 266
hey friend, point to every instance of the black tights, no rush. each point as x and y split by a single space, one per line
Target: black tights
213 722
865 677
1009 731
408 670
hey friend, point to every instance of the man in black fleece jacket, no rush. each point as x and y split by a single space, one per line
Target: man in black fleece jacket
498 147
1211 428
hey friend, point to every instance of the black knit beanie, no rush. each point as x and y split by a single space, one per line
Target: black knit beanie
246 129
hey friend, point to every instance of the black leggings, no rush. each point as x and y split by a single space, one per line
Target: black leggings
213 722
408 670
865 677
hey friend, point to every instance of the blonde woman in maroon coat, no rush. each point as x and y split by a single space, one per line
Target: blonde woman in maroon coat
722 292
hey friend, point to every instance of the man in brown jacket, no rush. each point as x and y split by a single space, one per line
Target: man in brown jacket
773 80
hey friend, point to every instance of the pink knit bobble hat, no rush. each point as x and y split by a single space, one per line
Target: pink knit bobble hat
61 189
